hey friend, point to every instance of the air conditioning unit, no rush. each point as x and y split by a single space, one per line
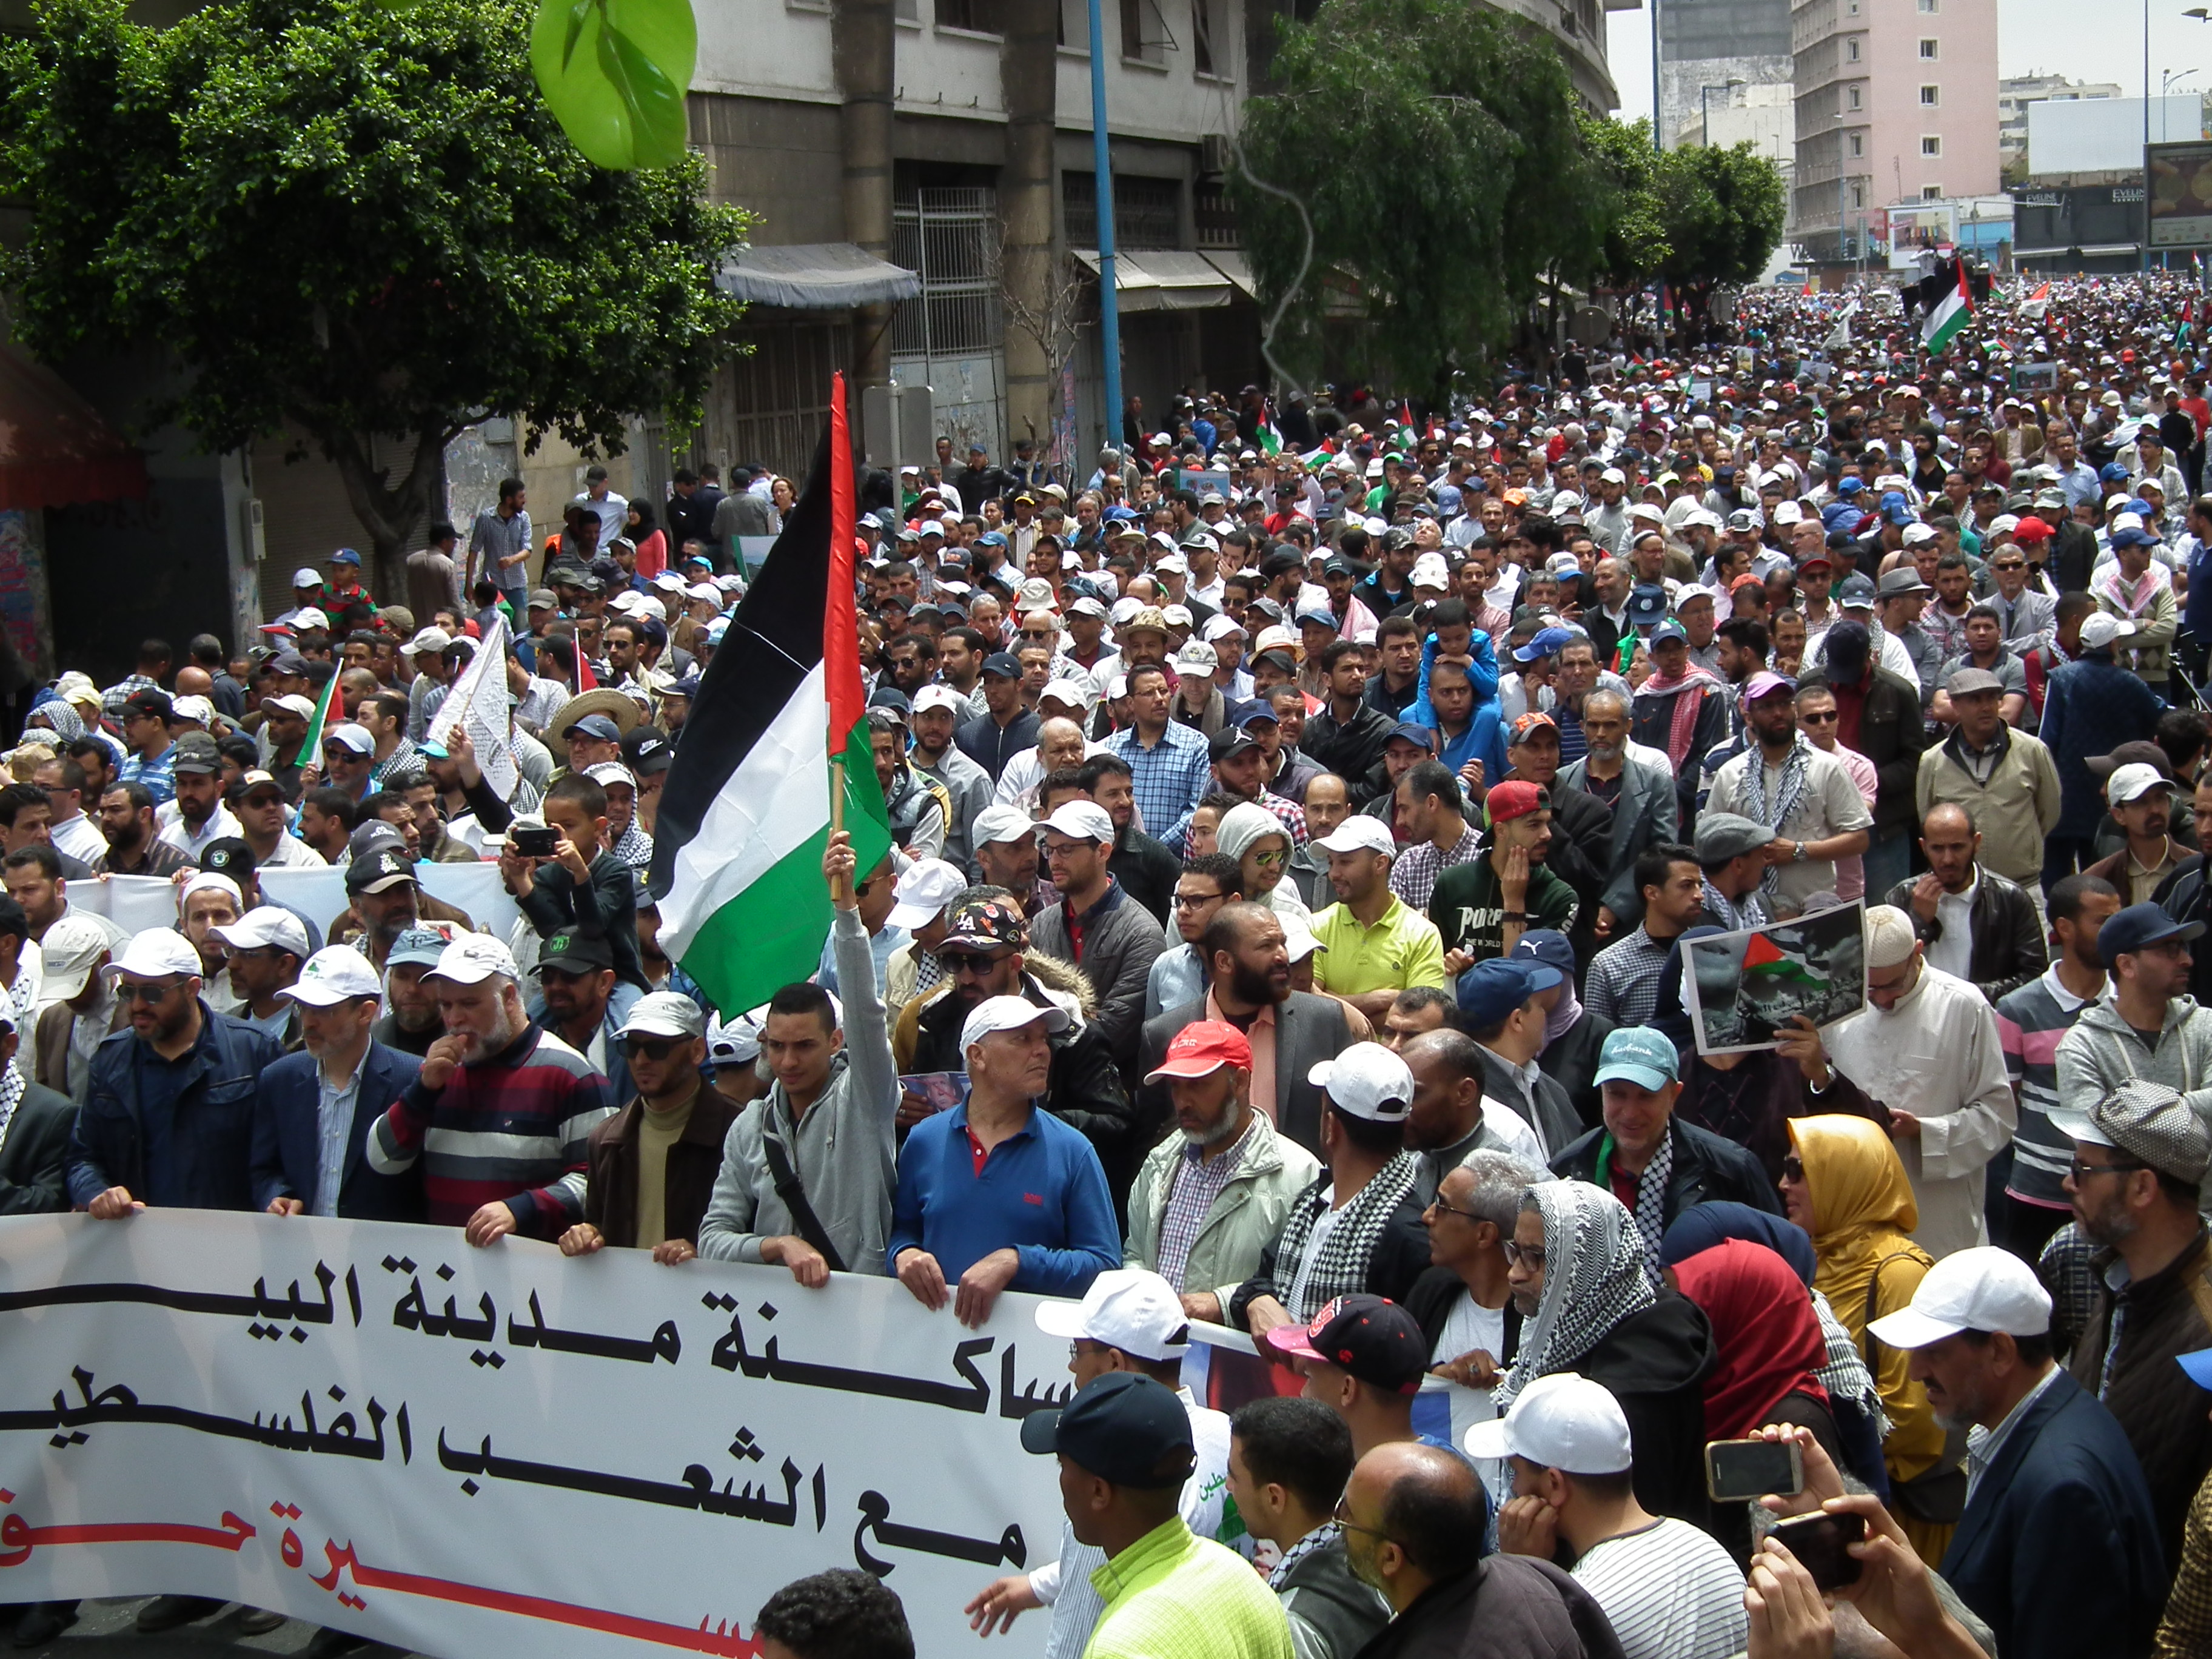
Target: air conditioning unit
1213 157
250 530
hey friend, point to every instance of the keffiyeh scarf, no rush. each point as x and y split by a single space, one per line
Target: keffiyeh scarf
1339 1267
1788 788
1650 1198
1689 699
11 1096
1594 1277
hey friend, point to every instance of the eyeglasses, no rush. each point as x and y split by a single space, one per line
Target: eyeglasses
1193 901
1526 1255
1438 1203
655 1050
1793 1169
152 996
1342 1515
2081 1171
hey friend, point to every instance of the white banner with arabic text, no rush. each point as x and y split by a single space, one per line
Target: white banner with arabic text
462 1451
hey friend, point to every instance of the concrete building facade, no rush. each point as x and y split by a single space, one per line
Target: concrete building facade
1896 102
1723 56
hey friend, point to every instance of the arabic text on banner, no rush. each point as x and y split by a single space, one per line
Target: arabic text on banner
463 1451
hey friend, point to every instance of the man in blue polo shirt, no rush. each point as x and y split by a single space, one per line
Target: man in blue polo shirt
995 1194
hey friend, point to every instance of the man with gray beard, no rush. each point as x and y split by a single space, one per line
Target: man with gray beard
499 1115
1210 1197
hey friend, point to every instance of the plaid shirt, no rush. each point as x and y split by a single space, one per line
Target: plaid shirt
1288 813
2187 1627
1623 985
1171 777
1198 1182
1413 877
158 776
117 695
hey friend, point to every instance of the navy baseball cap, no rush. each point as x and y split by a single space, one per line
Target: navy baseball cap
1545 945
1122 1427
1647 604
2140 927
1408 732
1491 990
1004 664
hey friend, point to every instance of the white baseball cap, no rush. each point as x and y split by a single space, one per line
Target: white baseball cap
66 957
923 891
1125 1308
429 639
1359 833
1069 693
271 926
607 772
1916 533
1196 657
2133 781
2100 630
996 1014
1431 571
664 1014
1081 820
354 738
335 973
1367 1080
1563 1421
1298 940
736 1042
1982 1288
157 953
193 707
1002 822
938 696
304 577
290 703
472 958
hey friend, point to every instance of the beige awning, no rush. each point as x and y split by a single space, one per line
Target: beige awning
1163 279
1236 269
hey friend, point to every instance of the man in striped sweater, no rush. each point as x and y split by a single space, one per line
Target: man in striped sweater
502 1110
2027 1200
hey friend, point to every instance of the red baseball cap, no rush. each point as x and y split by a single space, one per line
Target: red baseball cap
2030 529
1513 799
1202 1048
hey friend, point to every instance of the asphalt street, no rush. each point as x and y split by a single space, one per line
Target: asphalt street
104 1631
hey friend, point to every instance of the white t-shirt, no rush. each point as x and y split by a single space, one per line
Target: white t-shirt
1470 1326
1670 1591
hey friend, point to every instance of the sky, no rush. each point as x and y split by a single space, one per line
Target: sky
2034 36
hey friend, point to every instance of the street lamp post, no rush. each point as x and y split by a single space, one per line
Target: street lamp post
1109 302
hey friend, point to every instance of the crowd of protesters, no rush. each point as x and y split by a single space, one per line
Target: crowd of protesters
1298 821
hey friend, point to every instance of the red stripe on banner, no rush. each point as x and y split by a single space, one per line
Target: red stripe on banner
18 1537
719 1640
841 624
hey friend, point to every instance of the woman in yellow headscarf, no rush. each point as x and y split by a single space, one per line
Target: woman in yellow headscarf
1844 1184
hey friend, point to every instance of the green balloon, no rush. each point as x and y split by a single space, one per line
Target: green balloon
614 73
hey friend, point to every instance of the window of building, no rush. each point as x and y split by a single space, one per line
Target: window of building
1931 7
1850 8
1858 195
984 16
1930 96
1853 96
1930 51
1205 58
1851 49
1145 38
1858 143
1931 192
1931 146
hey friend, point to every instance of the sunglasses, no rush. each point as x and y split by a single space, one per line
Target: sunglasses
1828 719
965 962
655 1050
1793 1169
152 996
1269 861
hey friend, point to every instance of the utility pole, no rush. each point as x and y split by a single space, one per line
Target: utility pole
1101 166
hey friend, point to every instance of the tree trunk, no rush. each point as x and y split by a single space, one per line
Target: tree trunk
389 513
863 45
1029 76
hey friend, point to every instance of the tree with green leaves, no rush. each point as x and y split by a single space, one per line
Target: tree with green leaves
356 221
1430 147
1722 211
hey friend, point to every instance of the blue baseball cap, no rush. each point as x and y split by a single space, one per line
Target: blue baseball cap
1547 642
2133 538
1850 486
2112 473
2198 1365
1647 603
1493 989
1411 733
1669 630
345 555
2137 505
1547 946
1640 1056
2140 927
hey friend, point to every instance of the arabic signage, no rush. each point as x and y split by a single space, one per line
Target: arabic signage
2180 194
462 1451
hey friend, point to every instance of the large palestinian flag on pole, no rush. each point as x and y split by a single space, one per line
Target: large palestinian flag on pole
1947 316
745 813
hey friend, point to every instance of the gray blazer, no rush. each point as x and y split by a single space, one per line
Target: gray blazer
1647 813
1309 1028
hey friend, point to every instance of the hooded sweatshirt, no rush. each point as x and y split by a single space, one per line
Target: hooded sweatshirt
2102 1051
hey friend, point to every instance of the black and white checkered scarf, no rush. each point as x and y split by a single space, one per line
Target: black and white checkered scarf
1594 1278
1341 1268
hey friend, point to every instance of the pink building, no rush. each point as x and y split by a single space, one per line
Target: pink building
1897 101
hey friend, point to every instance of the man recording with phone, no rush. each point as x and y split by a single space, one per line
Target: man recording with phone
576 884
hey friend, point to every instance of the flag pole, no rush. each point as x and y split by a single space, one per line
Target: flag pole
842 528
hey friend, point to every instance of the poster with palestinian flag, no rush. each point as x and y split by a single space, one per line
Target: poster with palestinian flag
1739 988
745 813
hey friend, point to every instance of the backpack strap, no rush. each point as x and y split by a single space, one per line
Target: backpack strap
793 1194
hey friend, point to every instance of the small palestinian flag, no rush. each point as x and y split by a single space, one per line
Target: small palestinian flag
744 816
1764 959
1949 314
1269 438
311 746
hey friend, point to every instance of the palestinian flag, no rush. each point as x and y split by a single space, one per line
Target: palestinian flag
1764 959
311 746
1946 317
1268 440
745 813
2036 304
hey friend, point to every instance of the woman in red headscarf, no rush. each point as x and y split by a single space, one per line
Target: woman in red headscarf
1768 1344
